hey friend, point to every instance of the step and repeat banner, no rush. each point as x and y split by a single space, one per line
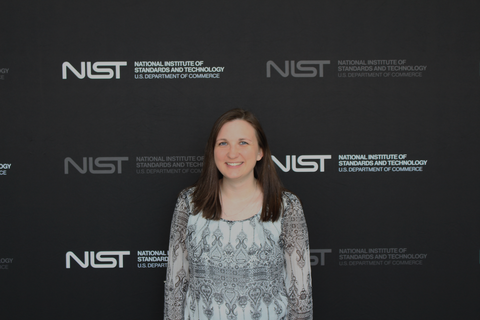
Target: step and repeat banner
372 113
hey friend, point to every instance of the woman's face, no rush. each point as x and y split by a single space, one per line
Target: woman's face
236 151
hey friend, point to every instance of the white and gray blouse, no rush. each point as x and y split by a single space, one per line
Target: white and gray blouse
242 270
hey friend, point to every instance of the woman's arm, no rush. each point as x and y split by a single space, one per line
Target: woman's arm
176 283
298 279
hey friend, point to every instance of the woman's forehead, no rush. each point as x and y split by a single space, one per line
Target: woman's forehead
237 129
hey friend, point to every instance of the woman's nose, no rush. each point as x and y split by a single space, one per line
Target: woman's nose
232 152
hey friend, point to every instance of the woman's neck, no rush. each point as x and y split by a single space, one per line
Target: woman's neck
238 189
240 200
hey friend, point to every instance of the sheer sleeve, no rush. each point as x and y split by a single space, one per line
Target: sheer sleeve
298 280
176 283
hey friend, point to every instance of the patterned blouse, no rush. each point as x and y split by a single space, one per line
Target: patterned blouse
242 270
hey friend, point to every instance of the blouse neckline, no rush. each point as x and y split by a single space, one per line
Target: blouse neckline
255 215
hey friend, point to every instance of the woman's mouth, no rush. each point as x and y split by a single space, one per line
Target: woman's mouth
234 164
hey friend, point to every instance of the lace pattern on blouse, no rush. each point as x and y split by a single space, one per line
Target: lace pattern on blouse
241 270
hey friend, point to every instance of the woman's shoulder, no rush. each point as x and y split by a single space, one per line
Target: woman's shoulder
186 195
291 203
290 197
292 207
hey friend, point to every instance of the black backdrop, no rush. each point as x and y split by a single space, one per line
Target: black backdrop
371 108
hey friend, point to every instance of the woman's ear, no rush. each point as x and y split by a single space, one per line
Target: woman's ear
260 155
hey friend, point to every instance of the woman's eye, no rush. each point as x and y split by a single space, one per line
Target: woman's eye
222 143
243 142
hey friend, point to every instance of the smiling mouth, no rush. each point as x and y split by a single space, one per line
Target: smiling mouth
234 164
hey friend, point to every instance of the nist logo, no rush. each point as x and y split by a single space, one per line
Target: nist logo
109 261
112 163
307 166
307 68
100 73
314 256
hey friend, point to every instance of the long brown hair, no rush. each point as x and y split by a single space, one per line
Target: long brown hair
206 196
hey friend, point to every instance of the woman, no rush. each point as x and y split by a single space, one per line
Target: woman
238 241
